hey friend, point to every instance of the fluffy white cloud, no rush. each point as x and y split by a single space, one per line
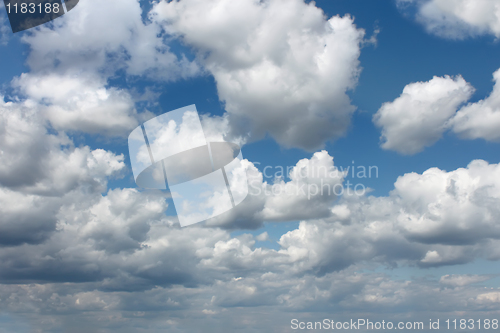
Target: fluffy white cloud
105 36
431 219
37 172
419 116
456 207
425 110
314 185
72 59
457 19
81 102
34 161
280 66
481 119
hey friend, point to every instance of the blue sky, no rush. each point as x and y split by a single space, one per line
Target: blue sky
404 86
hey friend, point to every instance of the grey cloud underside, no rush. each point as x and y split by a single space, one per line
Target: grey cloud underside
345 294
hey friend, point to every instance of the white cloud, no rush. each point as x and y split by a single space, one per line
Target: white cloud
492 298
280 66
37 162
481 119
461 280
431 219
314 185
118 254
457 19
263 237
73 58
41 172
105 36
419 116
80 102
425 110
456 207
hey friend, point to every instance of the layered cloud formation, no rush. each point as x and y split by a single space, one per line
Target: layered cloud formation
119 255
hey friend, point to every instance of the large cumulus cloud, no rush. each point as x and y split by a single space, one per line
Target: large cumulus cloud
281 67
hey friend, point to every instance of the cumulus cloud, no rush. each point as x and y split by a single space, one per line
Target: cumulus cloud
37 162
314 185
481 119
72 59
457 19
455 207
25 212
418 117
425 110
80 102
106 37
431 219
119 254
434 218
280 66
39 170
124 239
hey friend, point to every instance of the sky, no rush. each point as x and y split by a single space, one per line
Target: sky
409 89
